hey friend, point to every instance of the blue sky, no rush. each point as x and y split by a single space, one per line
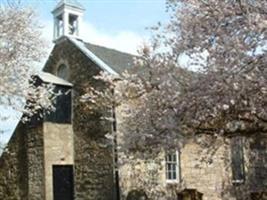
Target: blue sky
118 24
113 15
109 22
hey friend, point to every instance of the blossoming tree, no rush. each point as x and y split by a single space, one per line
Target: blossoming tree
226 42
159 103
21 48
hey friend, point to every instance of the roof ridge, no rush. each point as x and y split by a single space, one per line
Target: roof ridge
110 60
91 55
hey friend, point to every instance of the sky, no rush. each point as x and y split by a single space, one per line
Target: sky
118 24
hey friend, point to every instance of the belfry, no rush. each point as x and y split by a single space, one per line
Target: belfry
67 19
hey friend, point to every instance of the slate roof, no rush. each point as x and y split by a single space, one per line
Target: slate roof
72 3
117 60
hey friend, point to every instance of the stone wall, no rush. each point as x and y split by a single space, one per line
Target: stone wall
207 178
58 150
35 162
21 165
208 170
13 171
257 163
255 182
92 151
213 179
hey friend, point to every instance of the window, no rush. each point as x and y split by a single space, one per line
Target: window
172 166
63 105
237 158
62 72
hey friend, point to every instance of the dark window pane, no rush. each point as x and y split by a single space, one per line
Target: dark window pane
169 157
169 175
173 167
174 175
169 167
174 157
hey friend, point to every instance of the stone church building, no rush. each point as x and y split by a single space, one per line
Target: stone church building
66 156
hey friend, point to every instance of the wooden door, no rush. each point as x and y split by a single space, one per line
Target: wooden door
63 188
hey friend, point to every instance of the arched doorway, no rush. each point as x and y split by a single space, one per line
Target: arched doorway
137 195
189 194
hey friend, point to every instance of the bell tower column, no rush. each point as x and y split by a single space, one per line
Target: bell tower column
65 23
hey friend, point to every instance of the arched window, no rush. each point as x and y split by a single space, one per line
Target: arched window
63 72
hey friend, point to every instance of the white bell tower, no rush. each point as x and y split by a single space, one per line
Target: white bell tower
67 19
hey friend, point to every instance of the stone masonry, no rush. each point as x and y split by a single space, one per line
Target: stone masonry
21 165
213 180
26 168
92 151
